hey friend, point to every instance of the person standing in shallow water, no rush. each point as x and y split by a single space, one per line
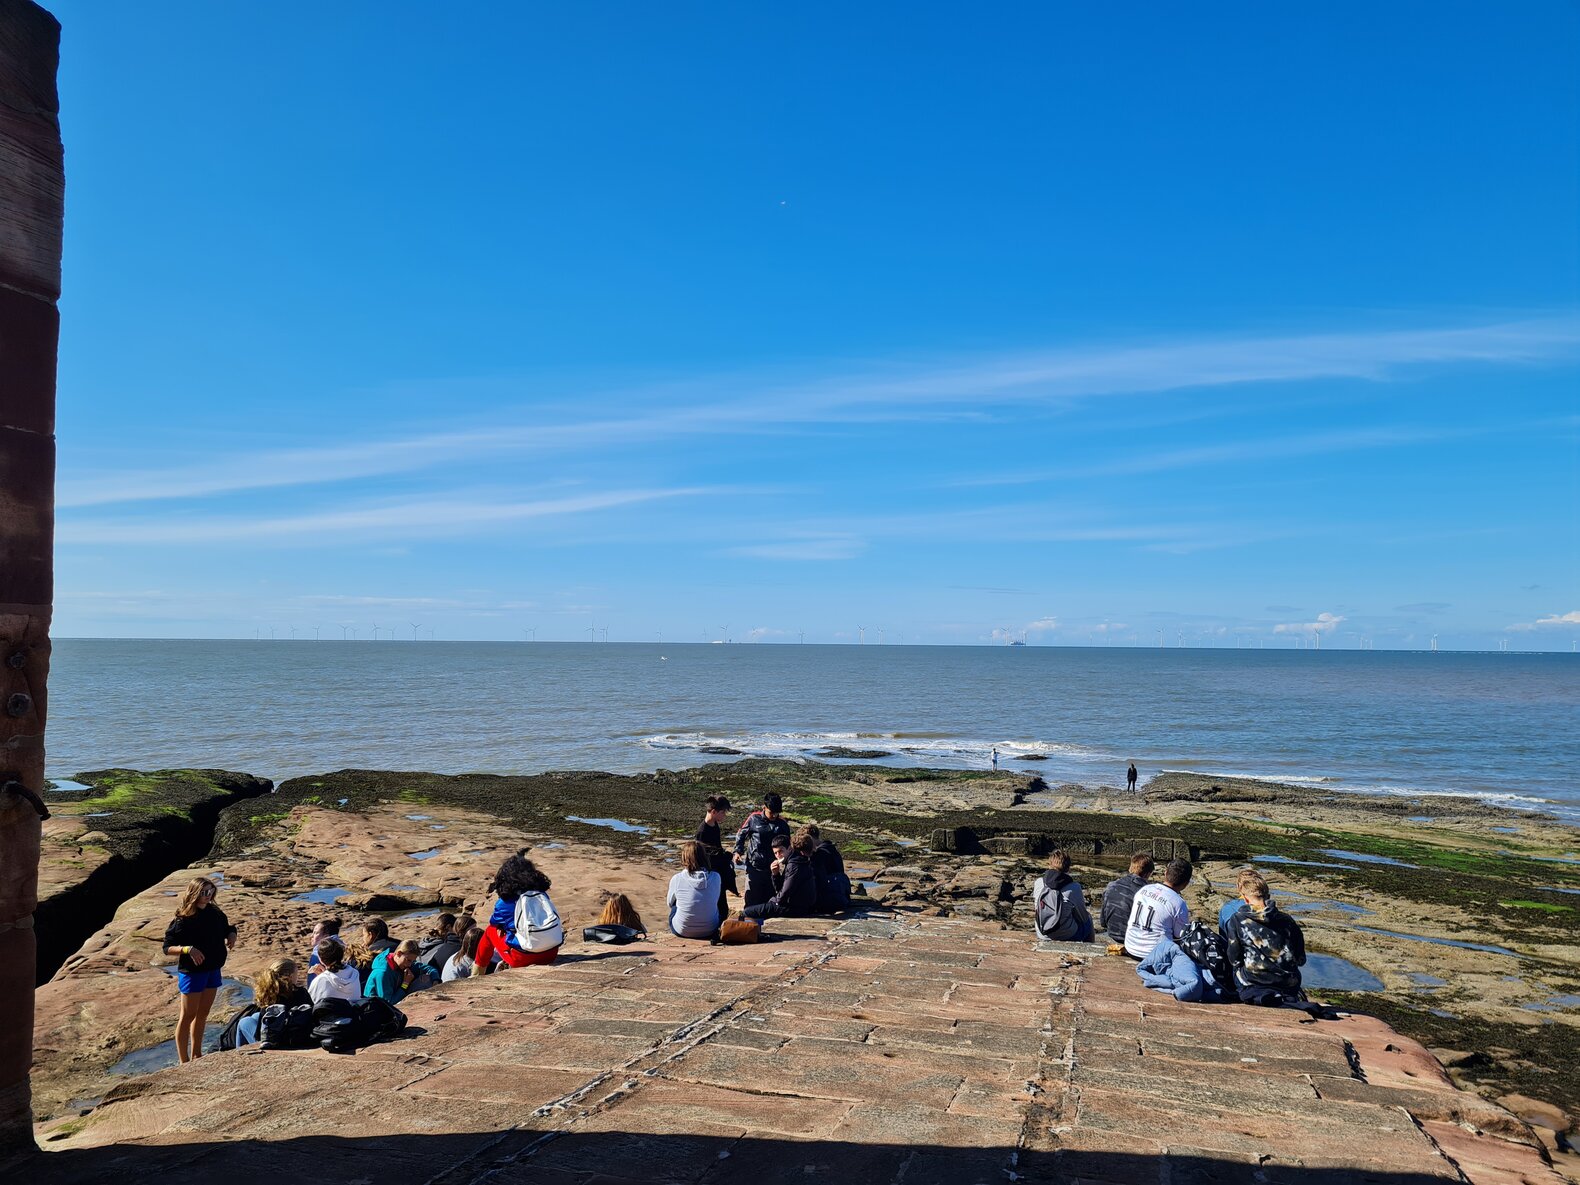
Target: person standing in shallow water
1130 778
199 936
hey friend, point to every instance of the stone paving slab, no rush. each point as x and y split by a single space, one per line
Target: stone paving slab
902 1049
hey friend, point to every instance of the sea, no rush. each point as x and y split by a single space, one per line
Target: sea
1503 727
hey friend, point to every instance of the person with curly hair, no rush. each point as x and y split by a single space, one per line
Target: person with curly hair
200 936
525 929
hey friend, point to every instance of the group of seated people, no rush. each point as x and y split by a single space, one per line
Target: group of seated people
1253 954
788 875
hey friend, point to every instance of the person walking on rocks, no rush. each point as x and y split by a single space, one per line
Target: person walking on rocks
755 841
199 936
1130 778
1158 911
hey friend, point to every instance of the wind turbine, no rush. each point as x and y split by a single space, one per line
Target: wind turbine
592 633
880 635
724 632
375 631
344 630
316 630
861 635
293 633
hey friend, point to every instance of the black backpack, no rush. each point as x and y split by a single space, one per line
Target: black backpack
341 1026
1207 949
283 1027
228 1036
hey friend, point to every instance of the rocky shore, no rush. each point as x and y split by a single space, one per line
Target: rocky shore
1452 921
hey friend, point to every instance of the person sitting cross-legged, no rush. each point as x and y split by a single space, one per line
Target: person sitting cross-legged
396 971
1120 893
1059 908
693 899
1158 911
794 881
1266 948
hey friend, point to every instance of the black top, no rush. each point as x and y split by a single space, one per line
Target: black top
756 838
713 847
1117 900
797 887
206 931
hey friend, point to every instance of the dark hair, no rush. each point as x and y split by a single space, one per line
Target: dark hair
779 841
518 875
378 929
331 926
469 941
331 953
1059 860
717 802
1141 864
443 925
813 830
1177 874
773 802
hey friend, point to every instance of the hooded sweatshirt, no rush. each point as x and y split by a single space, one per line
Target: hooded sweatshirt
1266 950
1074 922
344 984
1117 899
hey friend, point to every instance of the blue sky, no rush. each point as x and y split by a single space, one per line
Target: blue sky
1237 328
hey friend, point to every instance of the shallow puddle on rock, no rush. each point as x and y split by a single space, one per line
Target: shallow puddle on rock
1422 980
428 855
161 1056
321 896
1301 863
419 818
612 824
64 784
1330 971
1556 889
1485 947
1312 905
1363 858
542 847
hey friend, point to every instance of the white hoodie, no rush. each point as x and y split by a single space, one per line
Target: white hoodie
344 984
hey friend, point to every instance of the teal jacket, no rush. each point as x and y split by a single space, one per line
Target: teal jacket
388 983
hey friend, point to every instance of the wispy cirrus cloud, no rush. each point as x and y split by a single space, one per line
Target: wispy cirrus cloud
940 389
404 518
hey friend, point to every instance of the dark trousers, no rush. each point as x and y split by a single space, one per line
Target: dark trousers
759 885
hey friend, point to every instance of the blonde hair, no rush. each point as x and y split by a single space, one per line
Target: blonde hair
618 911
195 891
1251 883
276 983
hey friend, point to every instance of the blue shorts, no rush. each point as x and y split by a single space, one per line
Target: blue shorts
190 983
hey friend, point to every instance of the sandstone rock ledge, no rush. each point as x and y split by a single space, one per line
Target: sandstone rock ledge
880 1049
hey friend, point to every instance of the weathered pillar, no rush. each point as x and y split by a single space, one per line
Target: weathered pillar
32 192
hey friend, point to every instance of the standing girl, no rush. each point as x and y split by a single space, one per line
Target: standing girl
200 936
